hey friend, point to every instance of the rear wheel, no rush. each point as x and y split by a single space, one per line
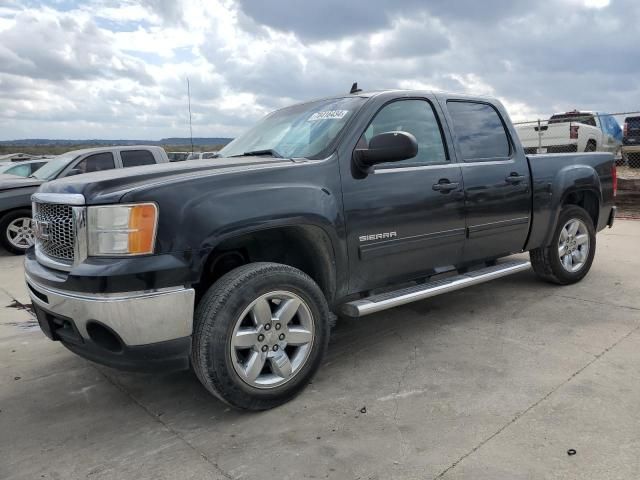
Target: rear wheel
591 146
16 232
570 254
260 334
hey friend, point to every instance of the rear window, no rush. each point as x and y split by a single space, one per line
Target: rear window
579 117
479 130
134 158
633 122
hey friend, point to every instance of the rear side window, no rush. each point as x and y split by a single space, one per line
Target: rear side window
479 130
134 158
632 122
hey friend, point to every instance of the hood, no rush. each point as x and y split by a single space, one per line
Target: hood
8 182
110 185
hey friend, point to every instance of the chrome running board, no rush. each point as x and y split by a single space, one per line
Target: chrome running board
383 301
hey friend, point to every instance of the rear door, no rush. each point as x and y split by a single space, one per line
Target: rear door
496 179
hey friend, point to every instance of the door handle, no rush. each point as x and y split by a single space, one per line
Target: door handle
514 178
445 186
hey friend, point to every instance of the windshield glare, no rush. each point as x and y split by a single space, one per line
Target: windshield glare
53 167
306 130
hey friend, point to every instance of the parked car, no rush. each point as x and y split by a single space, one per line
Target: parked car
631 142
576 131
202 155
348 205
21 168
16 232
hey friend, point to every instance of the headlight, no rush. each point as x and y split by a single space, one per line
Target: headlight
122 229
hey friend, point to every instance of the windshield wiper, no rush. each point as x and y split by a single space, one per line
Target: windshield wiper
255 153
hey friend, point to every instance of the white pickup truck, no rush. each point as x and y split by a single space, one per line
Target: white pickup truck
572 132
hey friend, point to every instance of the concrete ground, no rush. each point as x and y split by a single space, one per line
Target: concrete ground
495 382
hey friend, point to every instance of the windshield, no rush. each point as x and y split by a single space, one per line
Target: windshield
55 166
305 130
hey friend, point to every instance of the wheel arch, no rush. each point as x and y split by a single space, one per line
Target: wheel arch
306 247
576 184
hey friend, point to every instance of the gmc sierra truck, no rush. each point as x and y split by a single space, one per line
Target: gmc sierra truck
350 205
16 232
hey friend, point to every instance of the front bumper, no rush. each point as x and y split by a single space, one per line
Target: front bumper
133 330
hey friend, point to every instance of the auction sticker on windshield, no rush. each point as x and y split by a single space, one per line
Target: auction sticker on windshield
328 115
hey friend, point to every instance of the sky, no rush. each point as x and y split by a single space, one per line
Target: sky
118 69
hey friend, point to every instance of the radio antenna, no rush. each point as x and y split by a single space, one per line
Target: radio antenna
189 103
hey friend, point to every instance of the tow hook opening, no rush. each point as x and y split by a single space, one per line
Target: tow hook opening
104 337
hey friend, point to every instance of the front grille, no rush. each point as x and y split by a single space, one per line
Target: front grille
54 230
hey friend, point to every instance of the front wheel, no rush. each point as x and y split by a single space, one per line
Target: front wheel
260 334
16 232
569 256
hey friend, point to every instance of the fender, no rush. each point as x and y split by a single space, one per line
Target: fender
16 198
549 194
316 212
200 213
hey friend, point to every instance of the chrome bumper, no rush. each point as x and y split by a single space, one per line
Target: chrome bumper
139 318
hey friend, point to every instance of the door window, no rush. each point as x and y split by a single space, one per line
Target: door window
96 163
413 116
480 131
134 158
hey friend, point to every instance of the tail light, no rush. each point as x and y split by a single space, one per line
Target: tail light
614 175
573 132
625 130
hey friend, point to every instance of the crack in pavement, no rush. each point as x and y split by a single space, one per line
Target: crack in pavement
535 404
606 304
171 430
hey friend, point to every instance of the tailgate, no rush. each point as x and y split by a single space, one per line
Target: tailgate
553 135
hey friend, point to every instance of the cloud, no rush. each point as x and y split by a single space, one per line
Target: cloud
100 68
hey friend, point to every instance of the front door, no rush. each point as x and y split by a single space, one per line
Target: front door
405 219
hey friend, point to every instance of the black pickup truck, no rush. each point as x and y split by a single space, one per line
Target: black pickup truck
238 266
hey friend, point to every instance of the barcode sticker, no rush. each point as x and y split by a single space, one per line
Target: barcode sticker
328 115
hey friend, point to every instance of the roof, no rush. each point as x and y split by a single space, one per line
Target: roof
25 162
113 148
399 92
17 156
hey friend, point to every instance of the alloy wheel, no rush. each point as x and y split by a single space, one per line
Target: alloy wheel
272 339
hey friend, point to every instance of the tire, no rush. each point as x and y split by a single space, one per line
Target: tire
226 311
591 146
546 261
16 241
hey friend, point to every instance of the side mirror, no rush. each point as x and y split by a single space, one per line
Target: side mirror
386 147
73 171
